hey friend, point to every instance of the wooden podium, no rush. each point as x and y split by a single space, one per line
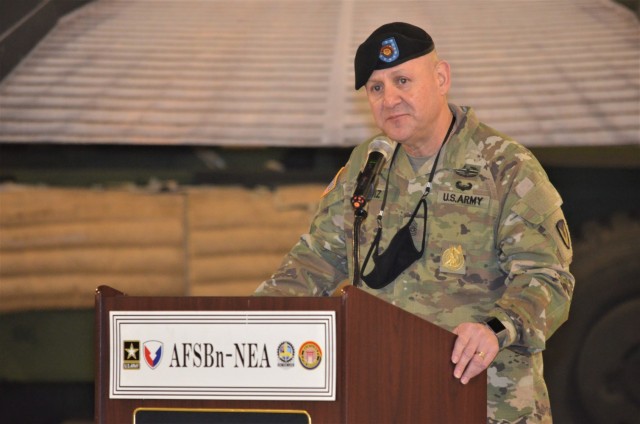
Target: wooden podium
391 366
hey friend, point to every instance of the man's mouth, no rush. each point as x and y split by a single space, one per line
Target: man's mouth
395 116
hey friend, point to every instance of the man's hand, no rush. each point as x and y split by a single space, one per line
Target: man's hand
475 348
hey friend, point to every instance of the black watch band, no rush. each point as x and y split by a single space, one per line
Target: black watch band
498 328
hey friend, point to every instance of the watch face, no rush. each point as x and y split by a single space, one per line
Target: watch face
495 325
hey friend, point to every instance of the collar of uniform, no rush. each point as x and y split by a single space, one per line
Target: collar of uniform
456 150
460 147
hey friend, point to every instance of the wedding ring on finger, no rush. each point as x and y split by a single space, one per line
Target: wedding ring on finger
480 354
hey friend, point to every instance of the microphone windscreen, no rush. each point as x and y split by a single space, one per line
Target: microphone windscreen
383 145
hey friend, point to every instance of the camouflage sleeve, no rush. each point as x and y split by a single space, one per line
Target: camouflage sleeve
317 264
535 252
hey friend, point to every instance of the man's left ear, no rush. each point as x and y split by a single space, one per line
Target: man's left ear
443 72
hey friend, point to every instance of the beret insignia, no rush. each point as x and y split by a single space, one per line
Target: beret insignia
389 50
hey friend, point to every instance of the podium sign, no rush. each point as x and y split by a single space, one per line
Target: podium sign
270 355
348 359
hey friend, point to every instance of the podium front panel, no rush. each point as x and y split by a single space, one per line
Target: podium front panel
110 302
390 366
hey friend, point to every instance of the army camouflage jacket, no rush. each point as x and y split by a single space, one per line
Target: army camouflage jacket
497 245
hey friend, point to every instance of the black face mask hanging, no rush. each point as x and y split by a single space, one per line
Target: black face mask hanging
401 252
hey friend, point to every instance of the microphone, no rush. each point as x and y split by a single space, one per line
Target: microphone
379 151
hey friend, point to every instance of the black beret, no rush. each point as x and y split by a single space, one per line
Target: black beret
389 46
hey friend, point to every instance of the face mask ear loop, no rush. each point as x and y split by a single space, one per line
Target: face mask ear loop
422 202
386 188
427 190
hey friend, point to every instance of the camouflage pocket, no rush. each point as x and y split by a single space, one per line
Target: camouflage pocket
464 219
461 231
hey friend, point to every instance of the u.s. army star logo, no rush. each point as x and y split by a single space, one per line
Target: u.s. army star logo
453 260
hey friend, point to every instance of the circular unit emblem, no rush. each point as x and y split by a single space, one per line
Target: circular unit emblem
286 353
310 355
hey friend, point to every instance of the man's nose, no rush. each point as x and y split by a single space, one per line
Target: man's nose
391 97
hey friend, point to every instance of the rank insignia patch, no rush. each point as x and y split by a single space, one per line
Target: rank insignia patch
389 50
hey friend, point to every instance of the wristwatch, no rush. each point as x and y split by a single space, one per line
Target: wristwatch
498 329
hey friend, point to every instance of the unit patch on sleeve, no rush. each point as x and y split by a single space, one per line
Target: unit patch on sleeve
563 230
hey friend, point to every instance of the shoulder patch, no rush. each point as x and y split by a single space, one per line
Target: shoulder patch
563 231
333 183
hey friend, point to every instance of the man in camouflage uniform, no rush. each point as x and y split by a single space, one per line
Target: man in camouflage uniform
495 268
